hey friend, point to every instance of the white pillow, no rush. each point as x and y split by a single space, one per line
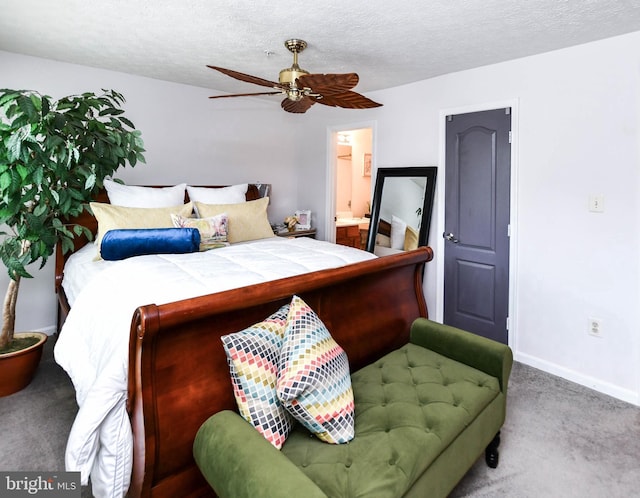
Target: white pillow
144 197
234 194
398 229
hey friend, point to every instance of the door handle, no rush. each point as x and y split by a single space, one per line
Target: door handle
450 237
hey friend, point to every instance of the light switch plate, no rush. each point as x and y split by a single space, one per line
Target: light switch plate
596 203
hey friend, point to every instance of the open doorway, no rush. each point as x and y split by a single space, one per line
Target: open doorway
352 166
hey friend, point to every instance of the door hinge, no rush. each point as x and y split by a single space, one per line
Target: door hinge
509 230
508 323
510 136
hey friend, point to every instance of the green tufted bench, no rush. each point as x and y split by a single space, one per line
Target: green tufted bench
424 413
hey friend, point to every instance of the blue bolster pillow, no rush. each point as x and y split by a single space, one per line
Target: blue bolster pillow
125 243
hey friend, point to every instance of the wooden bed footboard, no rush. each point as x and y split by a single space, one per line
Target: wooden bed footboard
178 373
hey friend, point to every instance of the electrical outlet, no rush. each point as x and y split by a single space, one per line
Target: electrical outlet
595 327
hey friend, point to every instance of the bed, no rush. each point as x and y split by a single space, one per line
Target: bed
138 413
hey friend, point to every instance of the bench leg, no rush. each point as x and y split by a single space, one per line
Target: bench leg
491 454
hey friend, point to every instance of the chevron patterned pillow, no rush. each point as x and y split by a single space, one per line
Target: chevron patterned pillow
314 383
253 356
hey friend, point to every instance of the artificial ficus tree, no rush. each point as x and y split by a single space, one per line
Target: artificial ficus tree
54 156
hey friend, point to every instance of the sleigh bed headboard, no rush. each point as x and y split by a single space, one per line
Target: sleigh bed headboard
86 219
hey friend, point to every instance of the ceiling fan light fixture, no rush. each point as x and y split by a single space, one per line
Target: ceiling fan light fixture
294 94
303 89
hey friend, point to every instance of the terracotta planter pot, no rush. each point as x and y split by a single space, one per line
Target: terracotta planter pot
17 368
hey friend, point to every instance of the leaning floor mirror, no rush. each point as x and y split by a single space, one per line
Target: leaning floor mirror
401 209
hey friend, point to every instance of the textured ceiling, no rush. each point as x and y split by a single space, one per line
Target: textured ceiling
388 43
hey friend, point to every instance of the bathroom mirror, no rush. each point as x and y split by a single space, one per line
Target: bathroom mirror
401 209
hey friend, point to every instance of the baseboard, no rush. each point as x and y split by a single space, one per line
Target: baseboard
584 380
50 330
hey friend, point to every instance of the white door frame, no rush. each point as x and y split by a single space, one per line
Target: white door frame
513 217
332 165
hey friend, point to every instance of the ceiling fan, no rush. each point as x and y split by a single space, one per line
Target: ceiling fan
303 89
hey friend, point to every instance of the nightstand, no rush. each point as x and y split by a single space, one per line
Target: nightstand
311 233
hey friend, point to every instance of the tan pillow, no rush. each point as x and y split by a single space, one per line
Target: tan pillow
410 239
247 220
115 217
383 240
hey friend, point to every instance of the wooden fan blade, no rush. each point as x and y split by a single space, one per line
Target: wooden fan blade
244 95
328 84
247 77
297 106
347 100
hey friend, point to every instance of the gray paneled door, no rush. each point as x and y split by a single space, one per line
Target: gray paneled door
477 192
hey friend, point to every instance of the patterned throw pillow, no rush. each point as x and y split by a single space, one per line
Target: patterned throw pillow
253 356
314 383
213 230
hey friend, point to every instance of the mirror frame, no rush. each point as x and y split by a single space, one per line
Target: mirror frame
430 173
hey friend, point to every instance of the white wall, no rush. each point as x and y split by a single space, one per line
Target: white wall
578 113
188 138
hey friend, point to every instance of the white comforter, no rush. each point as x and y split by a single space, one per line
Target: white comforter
93 344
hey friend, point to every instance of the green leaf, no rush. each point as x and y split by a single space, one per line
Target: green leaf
59 120
5 180
45 106
14 142
87 233
22 171
64 231
126 122
100 148
27 107
35 100
78 196
38 175
40 209
111 111
90 182
15 268
8 96
67 245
